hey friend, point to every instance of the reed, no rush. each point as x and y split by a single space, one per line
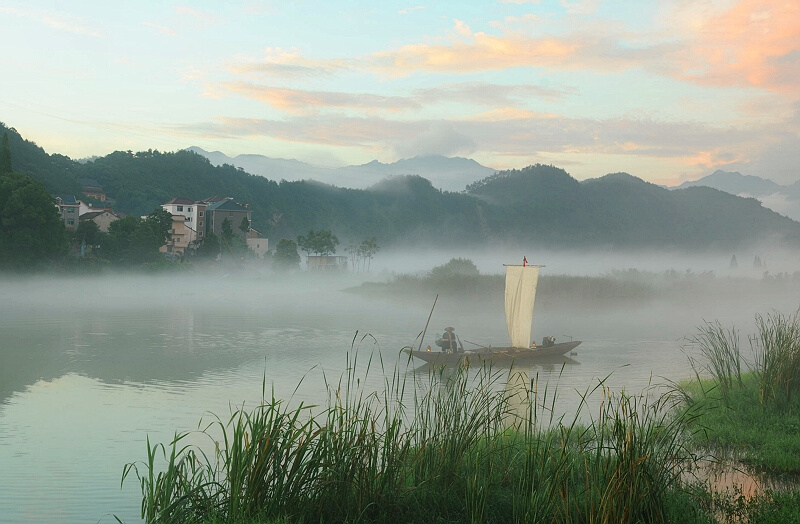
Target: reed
448 446
777 357
749 410
719 348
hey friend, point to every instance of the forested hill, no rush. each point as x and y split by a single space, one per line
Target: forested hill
535 205
546 203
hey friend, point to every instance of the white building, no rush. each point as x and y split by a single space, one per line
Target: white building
194 213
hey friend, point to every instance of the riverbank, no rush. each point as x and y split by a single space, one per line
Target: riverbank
484 445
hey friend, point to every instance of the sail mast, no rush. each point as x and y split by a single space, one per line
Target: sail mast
520 296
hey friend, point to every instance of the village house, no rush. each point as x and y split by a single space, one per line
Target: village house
193 220
181 237
257 243
194 212
326 263
92 208
218 210
103 219
68 208
92 189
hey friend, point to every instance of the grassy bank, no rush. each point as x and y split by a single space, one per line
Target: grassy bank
479 445
462 447
751 405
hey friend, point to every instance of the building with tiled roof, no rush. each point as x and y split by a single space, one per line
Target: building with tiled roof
92 189
69 209
193 213
102 218
218 211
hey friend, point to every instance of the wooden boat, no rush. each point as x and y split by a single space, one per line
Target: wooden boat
499 354
521 282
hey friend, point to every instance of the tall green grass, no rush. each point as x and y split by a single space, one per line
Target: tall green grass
776 358
446 446
722 359
750 409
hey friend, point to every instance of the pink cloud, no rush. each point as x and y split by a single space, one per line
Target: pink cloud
752 43
299 101
470 52
755 43
287 63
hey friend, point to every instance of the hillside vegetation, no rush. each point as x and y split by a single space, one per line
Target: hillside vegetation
541 205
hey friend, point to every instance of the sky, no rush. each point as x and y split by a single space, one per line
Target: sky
667 91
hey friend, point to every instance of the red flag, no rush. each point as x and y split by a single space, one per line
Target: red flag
524 261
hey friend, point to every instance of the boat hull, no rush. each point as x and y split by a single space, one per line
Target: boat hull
504 355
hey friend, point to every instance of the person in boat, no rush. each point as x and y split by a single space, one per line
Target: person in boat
448 341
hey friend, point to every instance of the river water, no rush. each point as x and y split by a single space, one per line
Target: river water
90 368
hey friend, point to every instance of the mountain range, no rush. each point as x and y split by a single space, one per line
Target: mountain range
539 205
454 174
779 198
445 173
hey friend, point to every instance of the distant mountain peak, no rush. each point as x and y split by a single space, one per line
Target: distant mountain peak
781 199
450 174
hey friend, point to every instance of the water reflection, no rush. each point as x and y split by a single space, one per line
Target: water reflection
87 372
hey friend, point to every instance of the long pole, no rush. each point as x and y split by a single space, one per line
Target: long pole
428 322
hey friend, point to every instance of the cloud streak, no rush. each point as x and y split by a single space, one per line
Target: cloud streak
471 94
517 134
53 20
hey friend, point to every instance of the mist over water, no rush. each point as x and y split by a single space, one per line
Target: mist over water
92 366
774 258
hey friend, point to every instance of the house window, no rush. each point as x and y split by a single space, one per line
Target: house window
70 222
189 209
180 208
201 223
188 219
200 233
201 213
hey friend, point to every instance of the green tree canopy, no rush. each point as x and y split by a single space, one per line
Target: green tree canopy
322 242
5 156
210 248
286 256
132 240
227 230
31 230
89 232
456 266
368 249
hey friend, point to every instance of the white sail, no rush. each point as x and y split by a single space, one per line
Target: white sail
520 295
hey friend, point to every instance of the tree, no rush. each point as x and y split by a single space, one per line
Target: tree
368 249
306 243
286 256
161 221
456 266
5 156
227 230
132 240
88 232
321 242
210 248
244 225
31 230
